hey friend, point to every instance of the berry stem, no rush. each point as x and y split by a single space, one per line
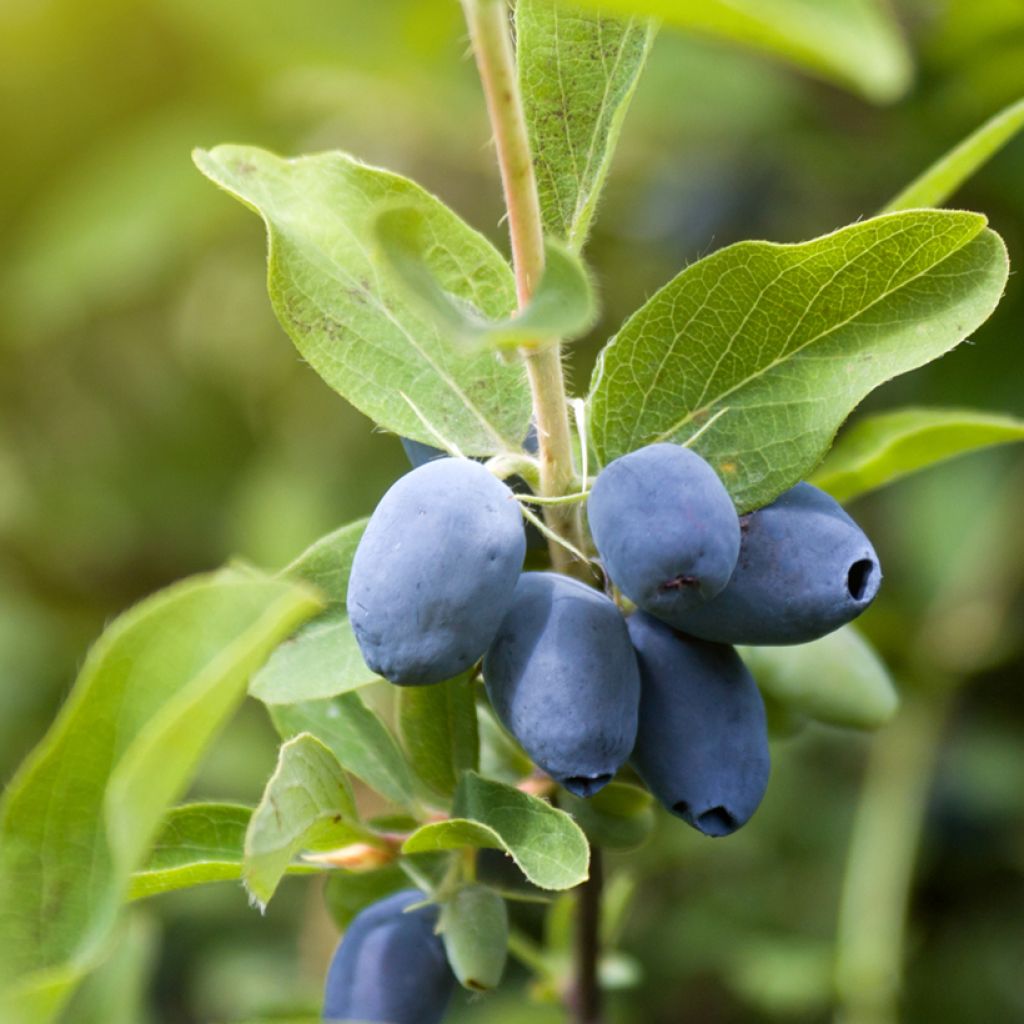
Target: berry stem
489 30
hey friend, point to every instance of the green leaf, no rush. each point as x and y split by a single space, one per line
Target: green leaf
307 804
853 43
327 563
352 322
198 843
947 174
438 726
880 449
356 736
577 72
563 304
321 660
83 810
619 817
838 679
547 845
764 349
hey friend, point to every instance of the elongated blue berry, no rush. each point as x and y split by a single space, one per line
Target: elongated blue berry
665 527
562 677
702 741
805 569
434 572
390 966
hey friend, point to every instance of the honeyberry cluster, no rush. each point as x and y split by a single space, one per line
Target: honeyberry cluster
437 584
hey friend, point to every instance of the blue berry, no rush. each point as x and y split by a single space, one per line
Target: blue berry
702 740
562 677
434 572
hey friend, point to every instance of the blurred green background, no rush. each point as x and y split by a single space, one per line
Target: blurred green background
155 421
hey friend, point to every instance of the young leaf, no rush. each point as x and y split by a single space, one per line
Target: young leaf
81 813
854 43
562 306
357 737
352 322
838 679
764 349
946 175
474 926
880 449
577 73
308 802
198 843
547 845
321 660
438 726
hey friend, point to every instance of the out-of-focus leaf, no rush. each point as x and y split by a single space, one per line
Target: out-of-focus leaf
563 305
765 349
838 679
879 450
577 72
438 727
854 43
80 815
352 322
321 660
307 803
547 845
949 172
116 992
620 816
357 737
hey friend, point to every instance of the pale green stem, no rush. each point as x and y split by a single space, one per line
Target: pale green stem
489 31
880 862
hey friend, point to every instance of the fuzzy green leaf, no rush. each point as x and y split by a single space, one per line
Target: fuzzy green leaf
80 815
577 72
949 172
438 726
357 737
764 349
879 450
838 679
563 305
352 322
307 804
853 43
547 845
